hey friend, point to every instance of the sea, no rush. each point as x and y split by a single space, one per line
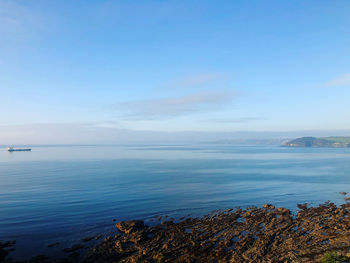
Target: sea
61 194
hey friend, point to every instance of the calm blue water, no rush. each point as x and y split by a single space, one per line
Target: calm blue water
67 193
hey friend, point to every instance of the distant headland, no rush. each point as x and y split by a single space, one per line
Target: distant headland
332 142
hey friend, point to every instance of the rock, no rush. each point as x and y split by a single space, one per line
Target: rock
40 259
98 236
87 239
73 248
53 244
283 210
128 227
252 235
3 253
302 206
75 255
5 248
268 206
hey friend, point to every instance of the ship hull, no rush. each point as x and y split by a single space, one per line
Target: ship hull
19 150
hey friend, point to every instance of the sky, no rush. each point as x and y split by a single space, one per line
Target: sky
116 71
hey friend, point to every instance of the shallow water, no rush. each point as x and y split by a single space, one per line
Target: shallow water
66 193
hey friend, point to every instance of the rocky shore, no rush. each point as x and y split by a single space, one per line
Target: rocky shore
266 234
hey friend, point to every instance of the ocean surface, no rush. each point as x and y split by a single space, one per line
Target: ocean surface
62 194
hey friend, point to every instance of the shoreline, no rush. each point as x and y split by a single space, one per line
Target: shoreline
266 234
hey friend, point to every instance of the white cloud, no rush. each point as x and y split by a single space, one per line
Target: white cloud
234 120
105 124
343 80
195 80
176 106
11 15
19 22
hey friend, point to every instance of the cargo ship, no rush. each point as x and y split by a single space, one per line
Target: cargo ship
11 149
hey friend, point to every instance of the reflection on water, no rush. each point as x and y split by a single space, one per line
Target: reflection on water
66 193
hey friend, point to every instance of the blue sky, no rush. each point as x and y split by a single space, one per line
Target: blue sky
111 67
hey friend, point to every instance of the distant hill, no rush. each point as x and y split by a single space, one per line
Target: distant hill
333 142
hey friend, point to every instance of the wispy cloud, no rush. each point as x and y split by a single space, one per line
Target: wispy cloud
11 15
234 120
18 21
176 106
340 81
104 124
195 80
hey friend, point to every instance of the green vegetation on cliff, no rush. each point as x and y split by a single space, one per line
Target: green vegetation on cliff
334 142
333 257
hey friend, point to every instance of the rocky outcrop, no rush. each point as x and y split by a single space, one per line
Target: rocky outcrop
128 227
5 248
266 234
